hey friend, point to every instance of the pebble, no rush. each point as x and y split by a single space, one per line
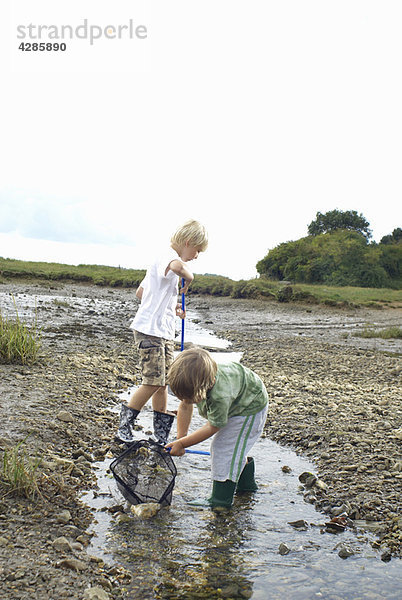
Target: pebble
345 552
95 593
64 517
283 549
72 563
62 544
147 510
65 416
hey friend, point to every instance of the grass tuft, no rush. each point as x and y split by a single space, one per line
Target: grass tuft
385 334
19 472
18 342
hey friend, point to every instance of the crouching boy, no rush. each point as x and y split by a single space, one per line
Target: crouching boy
234 401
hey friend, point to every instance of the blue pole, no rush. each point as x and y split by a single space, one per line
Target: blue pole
183 305
188 451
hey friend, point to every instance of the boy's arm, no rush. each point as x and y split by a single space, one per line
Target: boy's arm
184 414
139 292
181 270
177 448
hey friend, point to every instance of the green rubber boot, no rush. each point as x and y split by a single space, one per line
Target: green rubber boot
222 495
246 481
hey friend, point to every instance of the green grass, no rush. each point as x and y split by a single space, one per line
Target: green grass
215 285
19 472
96 274
385 334
19 343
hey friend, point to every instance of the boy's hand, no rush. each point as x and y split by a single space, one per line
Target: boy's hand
176 448
180 312
186 285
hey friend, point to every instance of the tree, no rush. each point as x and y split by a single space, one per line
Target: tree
393 238
335 258
338 219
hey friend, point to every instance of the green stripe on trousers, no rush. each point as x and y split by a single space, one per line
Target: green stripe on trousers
243 449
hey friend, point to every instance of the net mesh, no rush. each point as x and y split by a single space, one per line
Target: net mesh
145 472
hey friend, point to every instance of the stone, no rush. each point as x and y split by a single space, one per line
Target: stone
64 517
62 544
65 416
72 563
299 524
146 510
95 593
338 510
283 549
345 552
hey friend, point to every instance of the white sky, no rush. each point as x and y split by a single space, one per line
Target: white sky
248 115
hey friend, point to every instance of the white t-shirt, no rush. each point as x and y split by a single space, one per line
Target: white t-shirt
156 314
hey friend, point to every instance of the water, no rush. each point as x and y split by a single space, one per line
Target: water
188 552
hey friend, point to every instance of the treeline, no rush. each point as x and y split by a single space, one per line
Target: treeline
214 285
102 275
338 252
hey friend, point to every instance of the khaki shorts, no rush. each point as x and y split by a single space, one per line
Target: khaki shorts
156 356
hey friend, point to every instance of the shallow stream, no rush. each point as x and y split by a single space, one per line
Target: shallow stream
187 552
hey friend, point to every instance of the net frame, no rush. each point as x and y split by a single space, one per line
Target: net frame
136 487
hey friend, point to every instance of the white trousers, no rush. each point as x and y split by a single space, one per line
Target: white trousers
231 445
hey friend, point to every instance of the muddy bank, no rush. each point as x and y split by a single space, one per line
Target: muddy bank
334 397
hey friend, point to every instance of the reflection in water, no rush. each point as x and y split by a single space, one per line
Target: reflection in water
218 569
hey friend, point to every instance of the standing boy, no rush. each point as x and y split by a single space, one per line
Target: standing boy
154 329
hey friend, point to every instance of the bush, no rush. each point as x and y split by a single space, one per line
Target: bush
341 258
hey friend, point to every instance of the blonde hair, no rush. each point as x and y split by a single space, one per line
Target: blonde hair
192 375
192 232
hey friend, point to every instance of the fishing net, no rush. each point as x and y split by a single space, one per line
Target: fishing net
145 472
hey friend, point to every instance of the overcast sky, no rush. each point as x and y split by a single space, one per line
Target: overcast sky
250 116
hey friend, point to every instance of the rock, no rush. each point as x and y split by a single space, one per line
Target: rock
307 479
95 593
398 434
336 524
146 510
338 510
62 544
65 416
345 552
386 556
72 563
72 531
300 524
64 517
283 549
286 469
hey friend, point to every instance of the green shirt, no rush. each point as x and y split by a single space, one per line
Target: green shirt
237 392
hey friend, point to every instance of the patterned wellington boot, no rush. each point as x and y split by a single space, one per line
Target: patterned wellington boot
162 425
127 417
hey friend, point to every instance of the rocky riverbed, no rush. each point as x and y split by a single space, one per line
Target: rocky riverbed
334 397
